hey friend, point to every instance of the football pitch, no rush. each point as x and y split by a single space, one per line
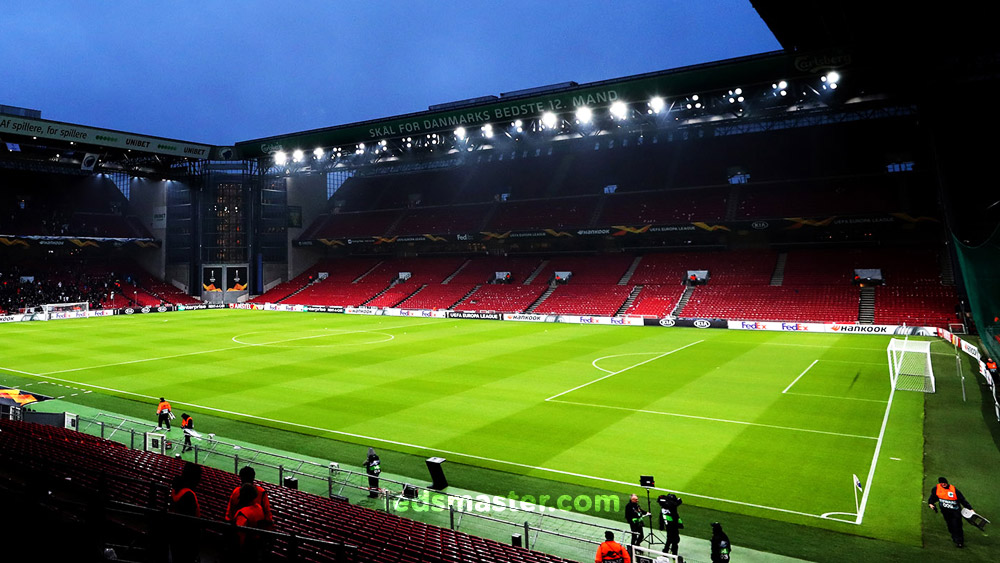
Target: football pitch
766 424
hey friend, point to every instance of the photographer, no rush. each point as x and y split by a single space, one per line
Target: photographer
634 515
670 520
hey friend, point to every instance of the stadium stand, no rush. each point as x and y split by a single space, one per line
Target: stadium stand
87 464
502 298
656 300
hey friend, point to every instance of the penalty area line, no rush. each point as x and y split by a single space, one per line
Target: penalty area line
799 377
722 420
622 370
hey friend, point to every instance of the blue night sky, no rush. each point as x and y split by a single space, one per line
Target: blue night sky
222 72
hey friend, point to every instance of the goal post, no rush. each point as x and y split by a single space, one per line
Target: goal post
910 365
65 307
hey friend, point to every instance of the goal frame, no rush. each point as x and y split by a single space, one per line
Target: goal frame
910 366
65 307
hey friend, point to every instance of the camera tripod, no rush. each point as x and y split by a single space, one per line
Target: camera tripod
651 537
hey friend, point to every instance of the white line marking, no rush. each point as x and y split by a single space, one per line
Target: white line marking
829 516
237 340
449 452
623 370
710 419
187 354
799 377
12 370
594 363
878 448
836 397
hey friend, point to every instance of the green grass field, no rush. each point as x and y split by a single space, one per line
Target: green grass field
770 425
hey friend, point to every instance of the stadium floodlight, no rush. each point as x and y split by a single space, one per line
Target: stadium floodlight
831 80
518 126
779 88
487 131
280 158
694 102
619 110
735 95
460 133
584 114
318 153
656 104
549 120
298 155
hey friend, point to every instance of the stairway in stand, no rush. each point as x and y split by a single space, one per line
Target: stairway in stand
866 306
628 302
778 276
541 298
688 291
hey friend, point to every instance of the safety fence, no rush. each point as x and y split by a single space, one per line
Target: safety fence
570 535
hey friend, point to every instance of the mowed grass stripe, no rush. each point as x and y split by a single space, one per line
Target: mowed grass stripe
477 389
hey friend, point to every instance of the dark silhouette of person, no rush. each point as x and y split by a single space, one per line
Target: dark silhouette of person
373 467
185 536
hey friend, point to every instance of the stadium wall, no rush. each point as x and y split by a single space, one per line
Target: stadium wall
309 194
148 201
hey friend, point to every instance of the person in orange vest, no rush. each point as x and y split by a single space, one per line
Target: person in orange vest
247 476
611 551
991 365
951 501
163 415
249 514
187 426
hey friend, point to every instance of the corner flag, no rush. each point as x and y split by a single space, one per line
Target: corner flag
857 482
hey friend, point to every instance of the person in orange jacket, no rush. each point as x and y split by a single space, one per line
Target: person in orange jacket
249 514
247 476
187 426
611 551
163 415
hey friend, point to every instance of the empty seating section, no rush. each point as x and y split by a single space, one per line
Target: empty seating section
58 206
85 461
913 293
502 297
422 270
597 300
558 213
850 196
483 269
815 285
136 296
774 303
651 208
437 296
920 305
338 272
827 266
606 269
745 267
441 220
356 224
326 292
656 300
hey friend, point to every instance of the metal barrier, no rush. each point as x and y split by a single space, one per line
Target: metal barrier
542 528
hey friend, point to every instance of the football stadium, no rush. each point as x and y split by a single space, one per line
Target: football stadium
761 292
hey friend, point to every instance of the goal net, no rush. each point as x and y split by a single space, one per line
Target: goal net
910 365
65 307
